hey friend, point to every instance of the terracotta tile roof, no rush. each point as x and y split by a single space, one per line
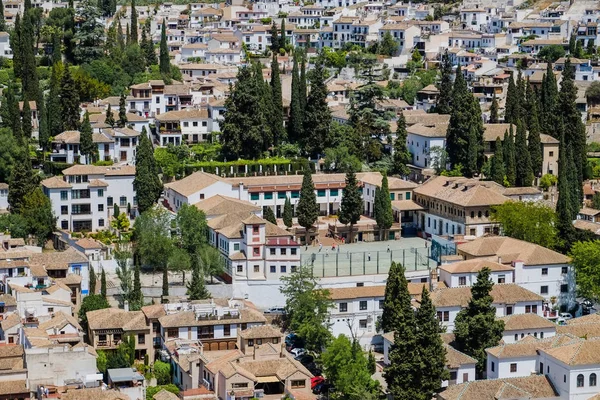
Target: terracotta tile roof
165 395
94 394
88 243
154 311
585 352
505 293
56 183
8 300
193 183
406 205
59 321
114 318
184 114
586 319
587 330
519 322
475 265
14 388
58 259
261 331
435 131
462 191
509 250
455 359
429 119
375 178
547 139
528 346
219 204
97 183
113 170
10 321
530 387
492 131
188 318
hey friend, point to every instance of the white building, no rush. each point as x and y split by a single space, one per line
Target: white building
5 50
518 326
186 126
464 273
115 145
421 139
83 200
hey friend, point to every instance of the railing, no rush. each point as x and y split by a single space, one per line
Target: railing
207 384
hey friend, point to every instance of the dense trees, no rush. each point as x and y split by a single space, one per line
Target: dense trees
585 258
529 221
444 102
316 120
476 327
351 206
146 183
402 156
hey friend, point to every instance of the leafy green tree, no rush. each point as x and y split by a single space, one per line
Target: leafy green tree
547 181
307 208
164 59
402 156
494 111
211 261
551 53
524 175
15 224
528 221
339 159
307 308
101 361
162 372
288 213
596 201
351 206
146 183
88 148
279 133
465 131
152 238
92 280
89 303
37 211
124 272
269 215
444 101
90 33
193 229
347 368
295 131
382 208
387 46
152 390
317 115
510 162
497 168
179 261
122 112
404 374
22 181
585 258
69 102
431 347
476 327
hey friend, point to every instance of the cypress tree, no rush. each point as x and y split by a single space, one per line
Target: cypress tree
269 215
274 38
494 110
296 110
92 280
165 60
22 180
282 39
148 48
69 102
110 117
520 97
288 213
404 374
146 183
317 114
27 126
11 114
534 144
431 347
120 41
548 102
56 53
444 102
564 211
307 208
133 35
44 129
88 148
2 20
136 301
165 285
122 112
29 78
383 208
265 104
402 156
392 308
302 87
510 167
524 176
575 198
15 45
103 284
497 170
511 105
55 122
279 134
476 327
351 206
127 35
196 289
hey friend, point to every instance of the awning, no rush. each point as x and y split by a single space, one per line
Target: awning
267 379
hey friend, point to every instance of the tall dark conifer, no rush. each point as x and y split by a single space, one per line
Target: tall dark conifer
2 20
351 206
307 208
494 110
302 89
26 121
29 78
510 162
146 183
69 102
279 134
296 110
549 103
384 215
512 103
564 210
402 156
15 45
497 169
148 47
88 148
317 114
282 39
53 105
133 34
122 112
524 175
274 38
22 180
534 144
444 102
165 60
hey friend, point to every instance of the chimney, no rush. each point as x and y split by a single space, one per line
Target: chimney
499 260
126 305
241 189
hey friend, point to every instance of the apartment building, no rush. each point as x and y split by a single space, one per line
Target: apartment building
84 198
536 268
403 33
186 126
464 273
155 97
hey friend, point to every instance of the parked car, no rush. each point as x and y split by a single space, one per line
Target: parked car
297 352
304 359
274 310
565 316
293 341
316 380
322 388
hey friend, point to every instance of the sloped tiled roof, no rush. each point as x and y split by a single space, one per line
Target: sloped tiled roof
505 293
519 322
585 352
475 265
530 387
509 250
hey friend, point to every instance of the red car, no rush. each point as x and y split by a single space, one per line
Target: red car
316 380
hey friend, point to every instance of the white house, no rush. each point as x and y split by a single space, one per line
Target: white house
185 126
518 326
83 200
464 273
5 50
421 139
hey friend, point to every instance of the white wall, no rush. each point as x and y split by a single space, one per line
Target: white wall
525 366
54 365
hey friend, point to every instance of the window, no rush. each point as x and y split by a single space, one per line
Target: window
101 222
362 324
407 195
250 342
283 252
283 269
516 337
268 195
109 201
281 195
564 288
64 210
240 268
293 251
541 368
501 278
321 193
172 332
123 201
227 330
257 268
256 251
544 271
64 224
564 270
392 196
343 307
544 290
141 338
333 192
273 269
186 124
100 192
64 195
493 366
472 214
580 380
50 309
509 310
592 379
236 247
462 280
239 385
255 230
551 154
272 252
295 194
300 383
381 304
363 305
513 367
253 196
